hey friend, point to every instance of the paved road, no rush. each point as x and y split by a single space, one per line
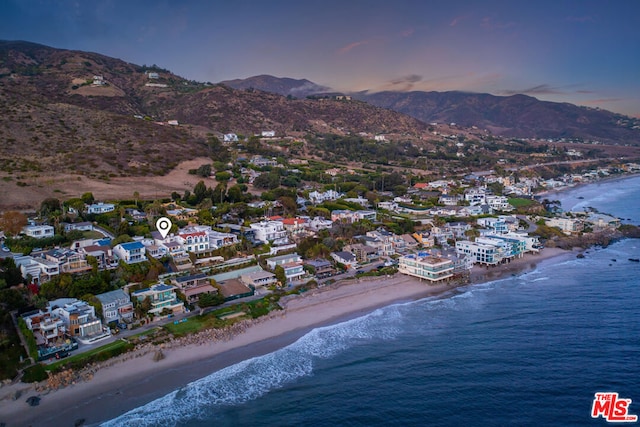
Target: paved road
532 225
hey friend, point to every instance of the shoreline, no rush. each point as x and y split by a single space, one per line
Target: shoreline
127 384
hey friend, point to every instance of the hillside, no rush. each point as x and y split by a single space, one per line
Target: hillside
516 115
510 116
87 113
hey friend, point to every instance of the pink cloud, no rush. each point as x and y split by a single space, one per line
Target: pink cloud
456 20
407 33
346 49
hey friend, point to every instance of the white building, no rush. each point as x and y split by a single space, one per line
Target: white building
352 216
38 231
480 253
430 268
130 252
194 241
270 231
100 208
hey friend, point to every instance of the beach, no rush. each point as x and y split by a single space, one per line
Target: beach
129 381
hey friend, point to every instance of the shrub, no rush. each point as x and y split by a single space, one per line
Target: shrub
34 374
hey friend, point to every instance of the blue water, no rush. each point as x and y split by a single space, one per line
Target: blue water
527 350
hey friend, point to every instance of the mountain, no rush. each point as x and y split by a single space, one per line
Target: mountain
509 116
86 113
281 85
516 115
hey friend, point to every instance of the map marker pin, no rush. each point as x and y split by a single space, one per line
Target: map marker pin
163 225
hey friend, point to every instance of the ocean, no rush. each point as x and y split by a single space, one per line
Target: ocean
528 350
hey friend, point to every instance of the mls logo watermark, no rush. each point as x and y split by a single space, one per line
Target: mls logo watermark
612 408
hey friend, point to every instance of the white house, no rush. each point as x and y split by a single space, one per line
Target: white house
270 231
194 241
100 208
283 259
38 231
268 133
230 137
430 268
130 252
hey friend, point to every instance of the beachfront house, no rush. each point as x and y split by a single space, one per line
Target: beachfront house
79 318
162 298
430 268
480 253
258 279
193 286
116 306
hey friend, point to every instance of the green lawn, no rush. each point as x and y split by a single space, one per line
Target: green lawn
110 349
519 203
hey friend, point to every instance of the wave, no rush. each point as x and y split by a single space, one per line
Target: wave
254 377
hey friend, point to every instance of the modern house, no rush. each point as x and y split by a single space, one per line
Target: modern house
78 316
100 208
46 328
259 278
352 216
283 259
162 297
430 268
131 252
116 306
270 231
480 253
194 285
40 270
38 231
79 226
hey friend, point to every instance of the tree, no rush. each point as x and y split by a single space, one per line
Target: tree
210 299
49 206
136 196
88 198
199 191
12 222
279 272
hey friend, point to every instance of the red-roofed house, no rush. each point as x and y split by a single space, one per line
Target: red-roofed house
197 241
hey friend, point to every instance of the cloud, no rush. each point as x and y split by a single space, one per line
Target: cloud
407 33
547 89
404 83
346 49
456 20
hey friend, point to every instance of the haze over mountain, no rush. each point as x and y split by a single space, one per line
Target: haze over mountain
516 115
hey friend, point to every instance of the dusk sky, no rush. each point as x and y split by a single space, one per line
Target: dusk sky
583 52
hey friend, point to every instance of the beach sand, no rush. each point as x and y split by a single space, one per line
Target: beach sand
123 386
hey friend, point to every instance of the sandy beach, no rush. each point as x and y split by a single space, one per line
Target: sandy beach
130 381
